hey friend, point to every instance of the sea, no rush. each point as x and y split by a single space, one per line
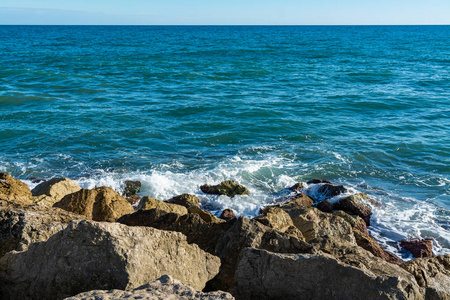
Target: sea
177 107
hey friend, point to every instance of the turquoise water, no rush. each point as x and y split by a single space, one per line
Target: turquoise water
177 107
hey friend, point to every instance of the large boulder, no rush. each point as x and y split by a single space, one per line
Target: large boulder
251 233
355 205
51 191
186 200
204 214
12 189
264 275
300 200
21 227
89 255
229 188
355 221
433 274
163 288
418 248
196 229
278 219
227 215
99 204
147 203
326 190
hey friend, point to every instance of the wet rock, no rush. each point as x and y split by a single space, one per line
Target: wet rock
197 230
229 188
131 187
186 200
325 206
12 189
90 255
355 205
21 227
264 275
99 204
51 191
251 233
133 199
150 203
205 215
227 215
318 180
355 221
433 274
327 190
369 244
418 248
296 188
163 288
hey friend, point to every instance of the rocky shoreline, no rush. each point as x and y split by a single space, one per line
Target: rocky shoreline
60 241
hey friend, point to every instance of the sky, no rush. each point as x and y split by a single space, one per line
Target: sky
224 12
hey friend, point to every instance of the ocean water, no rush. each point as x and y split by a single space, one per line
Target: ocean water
177 107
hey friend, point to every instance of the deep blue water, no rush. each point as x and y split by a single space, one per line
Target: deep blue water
176 107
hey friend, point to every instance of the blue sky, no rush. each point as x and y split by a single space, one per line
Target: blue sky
229 12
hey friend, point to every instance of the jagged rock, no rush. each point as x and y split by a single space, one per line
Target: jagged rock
205 215
297 188
163 288
150 203
21 227
329 190
433 274
49 192
315 224
369 244
250 233
131 187
133 199
193 226
227 215
355 205
278 219
299 201
418 248
355 221
264 275
318 180
90 255
229 188
99 204
12 189
185 200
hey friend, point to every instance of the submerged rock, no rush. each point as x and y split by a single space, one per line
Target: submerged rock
150 203
163 288
418 248
296 188
21 227
186 200
12 189
264 275
131 187
51 191
229 188
89 255
227 215
99 204
318 180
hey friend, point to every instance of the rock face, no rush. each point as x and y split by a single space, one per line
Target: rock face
20 228
229 188
433 274
278 219
419 248
163 288
88 255
12 189
265 275
52 191
355 221
227 215
251 233
369 244
185 200
99 204
196 229
147 203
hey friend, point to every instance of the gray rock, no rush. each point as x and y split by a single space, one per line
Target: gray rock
90 255
265 275
21 227
164 288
